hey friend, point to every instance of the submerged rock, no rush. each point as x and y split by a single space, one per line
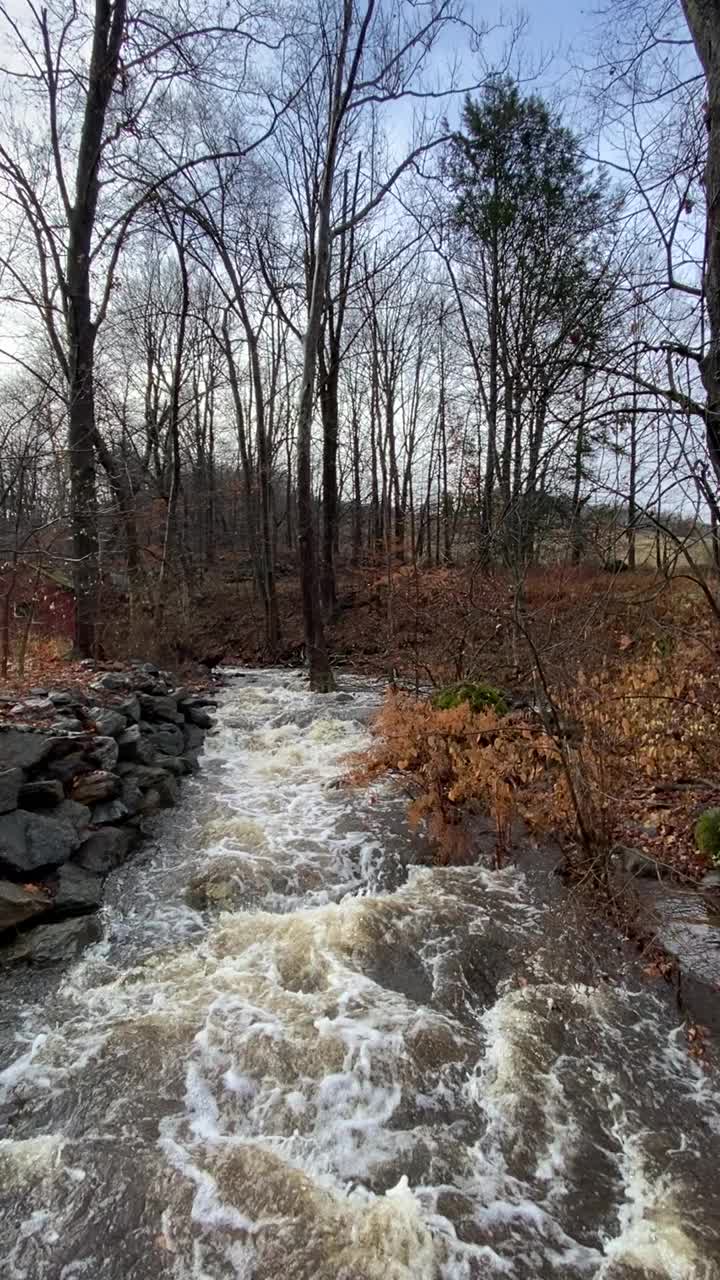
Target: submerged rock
217 887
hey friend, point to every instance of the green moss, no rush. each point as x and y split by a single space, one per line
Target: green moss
480 697
707 834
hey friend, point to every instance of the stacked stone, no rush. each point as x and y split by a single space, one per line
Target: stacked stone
75 794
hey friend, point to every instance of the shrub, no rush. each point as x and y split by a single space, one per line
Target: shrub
707 834
479 697
454 759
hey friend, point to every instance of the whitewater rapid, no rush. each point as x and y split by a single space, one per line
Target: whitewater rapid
302 1053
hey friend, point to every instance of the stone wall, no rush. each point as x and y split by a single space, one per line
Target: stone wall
76 787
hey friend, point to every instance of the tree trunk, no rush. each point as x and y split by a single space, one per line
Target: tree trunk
703 19
321 679
108 33
329 411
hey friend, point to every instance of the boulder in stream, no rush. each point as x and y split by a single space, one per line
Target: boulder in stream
106 849
167 738
76 890
53 943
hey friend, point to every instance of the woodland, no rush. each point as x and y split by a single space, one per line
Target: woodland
356 334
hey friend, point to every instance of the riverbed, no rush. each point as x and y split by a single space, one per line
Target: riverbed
299 1051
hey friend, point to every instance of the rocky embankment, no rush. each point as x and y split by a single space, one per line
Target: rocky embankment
81 770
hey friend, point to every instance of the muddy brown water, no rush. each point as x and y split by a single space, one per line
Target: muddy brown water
298 1052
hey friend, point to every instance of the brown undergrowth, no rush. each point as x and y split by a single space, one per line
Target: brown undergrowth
626 753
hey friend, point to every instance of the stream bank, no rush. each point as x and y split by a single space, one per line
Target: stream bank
81 772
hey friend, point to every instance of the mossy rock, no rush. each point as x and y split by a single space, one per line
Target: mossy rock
707 834
479 697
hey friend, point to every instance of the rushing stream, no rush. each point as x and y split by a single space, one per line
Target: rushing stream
296 1056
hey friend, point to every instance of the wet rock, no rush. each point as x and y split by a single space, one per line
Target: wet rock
45 793
78 815
193 736
148 775
198 716
135 746
109 723
190 758
633 862
52 943
167 738
10 783
168 791
18 903
94 787
76 890
176 765
131 794
20 749
218 887
151 802
29 841
104 752
130 708
104 850
710 890
37 692
109 812
185 701
163 707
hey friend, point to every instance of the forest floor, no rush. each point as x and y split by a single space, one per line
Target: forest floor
631 658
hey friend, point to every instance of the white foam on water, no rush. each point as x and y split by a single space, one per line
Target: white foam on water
334 1100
